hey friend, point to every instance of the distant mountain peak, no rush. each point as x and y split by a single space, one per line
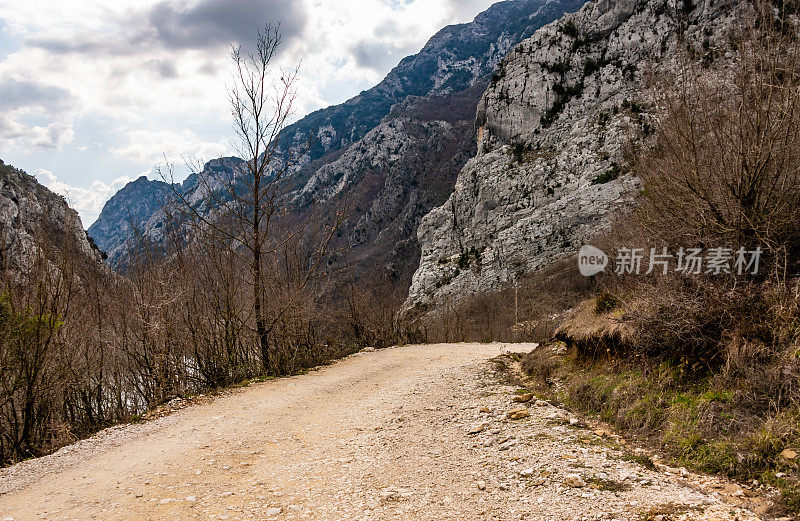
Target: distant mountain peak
453 60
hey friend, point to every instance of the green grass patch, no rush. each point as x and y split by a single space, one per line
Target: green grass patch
640 459
700 423
609 175
605 302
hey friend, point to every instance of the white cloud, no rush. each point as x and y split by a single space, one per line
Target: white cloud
357 42
53 136
151 147
24 99
121 83
88 202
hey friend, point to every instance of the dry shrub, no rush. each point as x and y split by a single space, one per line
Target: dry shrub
592 334
529 312
82 348
367 313
710 369
721 170
723 167
541 364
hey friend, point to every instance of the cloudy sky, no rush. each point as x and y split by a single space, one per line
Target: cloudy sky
93 94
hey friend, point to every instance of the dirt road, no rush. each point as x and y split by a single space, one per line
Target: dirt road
416 432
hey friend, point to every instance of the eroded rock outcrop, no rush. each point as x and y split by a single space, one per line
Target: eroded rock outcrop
551 130
34 220
391 179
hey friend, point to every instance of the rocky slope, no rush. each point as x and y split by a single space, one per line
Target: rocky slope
136 213
450 66
131 207
34 220
392 178
551 128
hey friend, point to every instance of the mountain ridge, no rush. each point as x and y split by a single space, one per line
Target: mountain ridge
454 60
37 225
553 124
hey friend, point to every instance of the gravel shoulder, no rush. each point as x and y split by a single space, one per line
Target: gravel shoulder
416 432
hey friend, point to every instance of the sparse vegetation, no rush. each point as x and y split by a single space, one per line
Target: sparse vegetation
706 368
248 298
632 106
590 66
570 29
498 75
609 175
542 297
605 302
564 93
520 151
710 424
607 485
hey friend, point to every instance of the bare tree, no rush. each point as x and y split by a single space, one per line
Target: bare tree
243 203
724 164
32 353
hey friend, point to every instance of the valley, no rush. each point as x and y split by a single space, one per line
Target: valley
381 309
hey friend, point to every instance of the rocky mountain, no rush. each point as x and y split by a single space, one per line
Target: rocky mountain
455 60
136 211
132 206
392 178
551 128
34 220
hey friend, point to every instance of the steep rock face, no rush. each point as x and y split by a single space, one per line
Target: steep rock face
450 66
551 128
33 219
132 206
392 177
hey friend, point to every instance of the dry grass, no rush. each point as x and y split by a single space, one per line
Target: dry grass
595 334
542 298
699 422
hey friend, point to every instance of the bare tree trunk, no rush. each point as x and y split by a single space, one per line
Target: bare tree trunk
258 305
247 200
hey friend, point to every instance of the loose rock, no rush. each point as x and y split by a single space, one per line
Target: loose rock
574 481
789 454
523 398
518 414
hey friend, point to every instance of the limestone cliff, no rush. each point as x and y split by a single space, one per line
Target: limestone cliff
391 178
551 129
34 220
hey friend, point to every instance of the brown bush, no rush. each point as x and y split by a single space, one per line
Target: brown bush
723 168
527 312
709 369
541 364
